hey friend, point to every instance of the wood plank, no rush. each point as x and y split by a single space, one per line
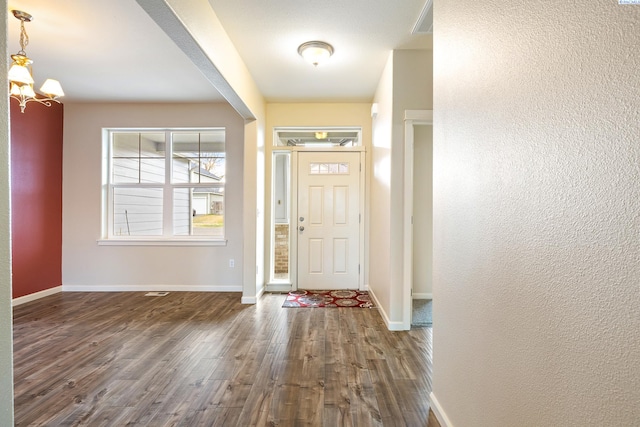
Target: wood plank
205 359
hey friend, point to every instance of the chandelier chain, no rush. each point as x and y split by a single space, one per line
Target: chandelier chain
24 39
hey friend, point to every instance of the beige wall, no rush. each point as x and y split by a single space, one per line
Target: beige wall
380 219
412 90
311 115
231 77
195 28
87 266
406 84
6 332
319 114
536 201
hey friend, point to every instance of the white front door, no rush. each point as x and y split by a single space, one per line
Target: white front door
328 226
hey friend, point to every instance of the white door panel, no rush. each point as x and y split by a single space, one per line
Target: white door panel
328 220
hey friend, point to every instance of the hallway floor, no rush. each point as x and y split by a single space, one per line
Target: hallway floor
190 359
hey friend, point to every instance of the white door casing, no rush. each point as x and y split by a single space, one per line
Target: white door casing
411 118
328 222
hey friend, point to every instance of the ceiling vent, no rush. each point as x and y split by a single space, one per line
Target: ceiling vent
425 21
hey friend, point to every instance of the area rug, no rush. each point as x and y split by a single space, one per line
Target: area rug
421 315
341 298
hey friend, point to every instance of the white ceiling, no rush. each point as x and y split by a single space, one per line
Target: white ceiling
111 50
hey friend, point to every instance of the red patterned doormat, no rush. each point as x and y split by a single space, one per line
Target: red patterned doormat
341 298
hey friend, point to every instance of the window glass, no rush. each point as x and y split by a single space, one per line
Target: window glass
281 214
198 212
137 211
198 157
138 157
145 185
328 168
319 138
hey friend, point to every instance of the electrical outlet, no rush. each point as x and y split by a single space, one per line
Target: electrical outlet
232 263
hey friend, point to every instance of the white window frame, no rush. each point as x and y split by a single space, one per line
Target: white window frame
167 238
277 130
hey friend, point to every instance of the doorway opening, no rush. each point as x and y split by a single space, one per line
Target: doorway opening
317 209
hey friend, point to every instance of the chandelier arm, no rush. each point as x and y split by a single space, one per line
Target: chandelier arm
23 100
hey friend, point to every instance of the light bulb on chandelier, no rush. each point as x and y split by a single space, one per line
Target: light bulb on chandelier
21 74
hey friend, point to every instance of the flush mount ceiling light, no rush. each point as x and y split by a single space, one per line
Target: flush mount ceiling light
315 51
21 75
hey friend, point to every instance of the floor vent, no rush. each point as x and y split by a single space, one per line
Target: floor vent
156 294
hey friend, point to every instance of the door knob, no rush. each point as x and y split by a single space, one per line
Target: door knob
301 228
301 218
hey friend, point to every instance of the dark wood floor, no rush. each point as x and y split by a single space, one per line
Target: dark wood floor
190 359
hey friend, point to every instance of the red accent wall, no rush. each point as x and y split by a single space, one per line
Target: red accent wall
36 197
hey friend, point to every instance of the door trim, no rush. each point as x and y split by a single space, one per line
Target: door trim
411 118
293 255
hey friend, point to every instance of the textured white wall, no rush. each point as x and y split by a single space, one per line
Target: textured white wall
6 333
536 213
85 265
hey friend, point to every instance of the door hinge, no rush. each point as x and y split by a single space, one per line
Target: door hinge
358 268
359 218
360 165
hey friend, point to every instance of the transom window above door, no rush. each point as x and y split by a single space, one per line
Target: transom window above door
318 137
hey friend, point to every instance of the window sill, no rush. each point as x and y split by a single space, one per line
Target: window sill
161 242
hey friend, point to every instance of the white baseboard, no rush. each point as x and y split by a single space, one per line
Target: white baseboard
35 296
279 287
422 296
252 300
149 288
439 412
392 326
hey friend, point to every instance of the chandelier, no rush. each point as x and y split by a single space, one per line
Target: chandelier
21 74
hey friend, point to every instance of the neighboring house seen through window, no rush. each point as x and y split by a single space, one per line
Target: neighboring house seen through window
166 183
